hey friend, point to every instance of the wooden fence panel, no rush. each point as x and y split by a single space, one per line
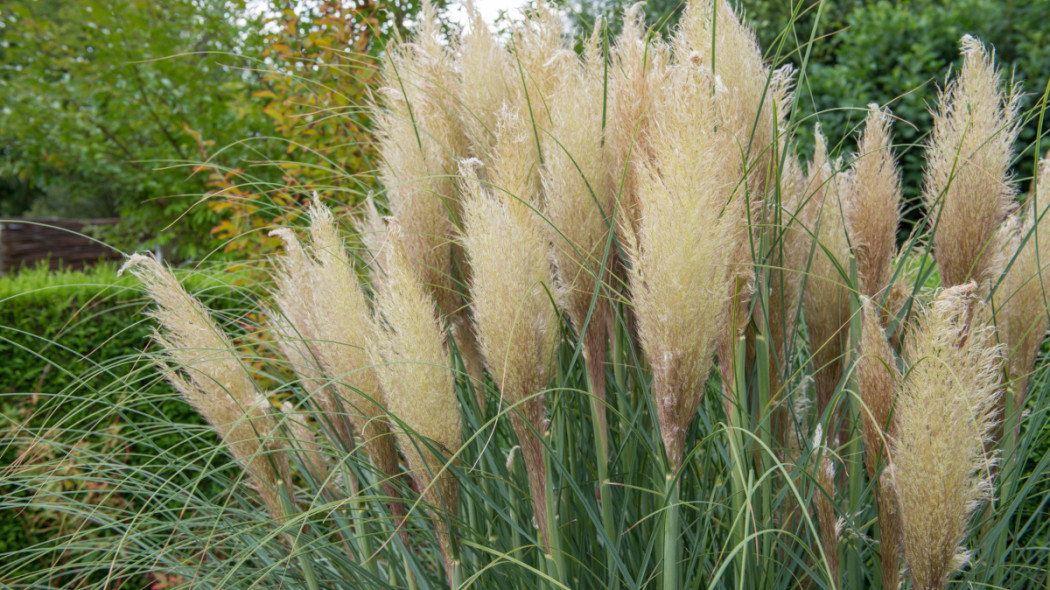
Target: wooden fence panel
27 242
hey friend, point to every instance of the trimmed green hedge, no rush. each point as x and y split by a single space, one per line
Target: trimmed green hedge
72 347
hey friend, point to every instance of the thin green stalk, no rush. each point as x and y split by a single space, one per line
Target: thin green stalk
408 574
762 367
358 517
556 557
672 537
457 574
738 487
308 567
601 440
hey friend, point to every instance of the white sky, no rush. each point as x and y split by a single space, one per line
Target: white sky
490 9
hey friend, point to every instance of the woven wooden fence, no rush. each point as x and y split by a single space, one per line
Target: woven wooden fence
28 242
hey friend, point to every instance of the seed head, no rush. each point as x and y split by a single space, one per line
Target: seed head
689 215
200 363
872 205
328 321
968 189
945 415
1021 298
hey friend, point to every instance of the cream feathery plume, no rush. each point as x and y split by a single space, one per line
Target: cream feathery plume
420 140
414 366
514 170
541 53
878 380
873 204
637 76
1020 299
322 300
516 321
488 78
200 363
968 188
712 33
753 107
689 215
826 294
941 468
580 207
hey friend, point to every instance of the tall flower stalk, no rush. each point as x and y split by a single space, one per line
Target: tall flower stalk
512 279
415 369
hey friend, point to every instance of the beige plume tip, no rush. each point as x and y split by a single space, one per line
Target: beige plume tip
136 260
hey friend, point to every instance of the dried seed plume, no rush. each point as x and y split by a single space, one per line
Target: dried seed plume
201 364
873 205
517 324
327 322
1021 297
415 369
689 215
968 189
945 416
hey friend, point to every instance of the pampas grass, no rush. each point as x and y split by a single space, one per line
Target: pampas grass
1021 296
200 363
968 187
515 317
644 205
412 360
945 414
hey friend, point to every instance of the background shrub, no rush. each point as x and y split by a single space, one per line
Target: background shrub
69 340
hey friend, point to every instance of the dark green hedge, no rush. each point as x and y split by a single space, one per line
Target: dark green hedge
71 345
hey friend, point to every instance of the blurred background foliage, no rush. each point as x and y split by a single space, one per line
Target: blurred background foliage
97 96
137 108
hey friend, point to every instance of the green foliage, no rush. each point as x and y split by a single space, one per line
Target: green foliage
97 96
67 339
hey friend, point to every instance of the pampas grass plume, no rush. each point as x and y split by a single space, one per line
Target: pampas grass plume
1020 299
945 414
200 363
689 215
580 207
420 139
873 204
322 300
637 76
878 380
517 324
415 369
968 188
826 295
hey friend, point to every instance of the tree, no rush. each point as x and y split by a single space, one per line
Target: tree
98 96
322 61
